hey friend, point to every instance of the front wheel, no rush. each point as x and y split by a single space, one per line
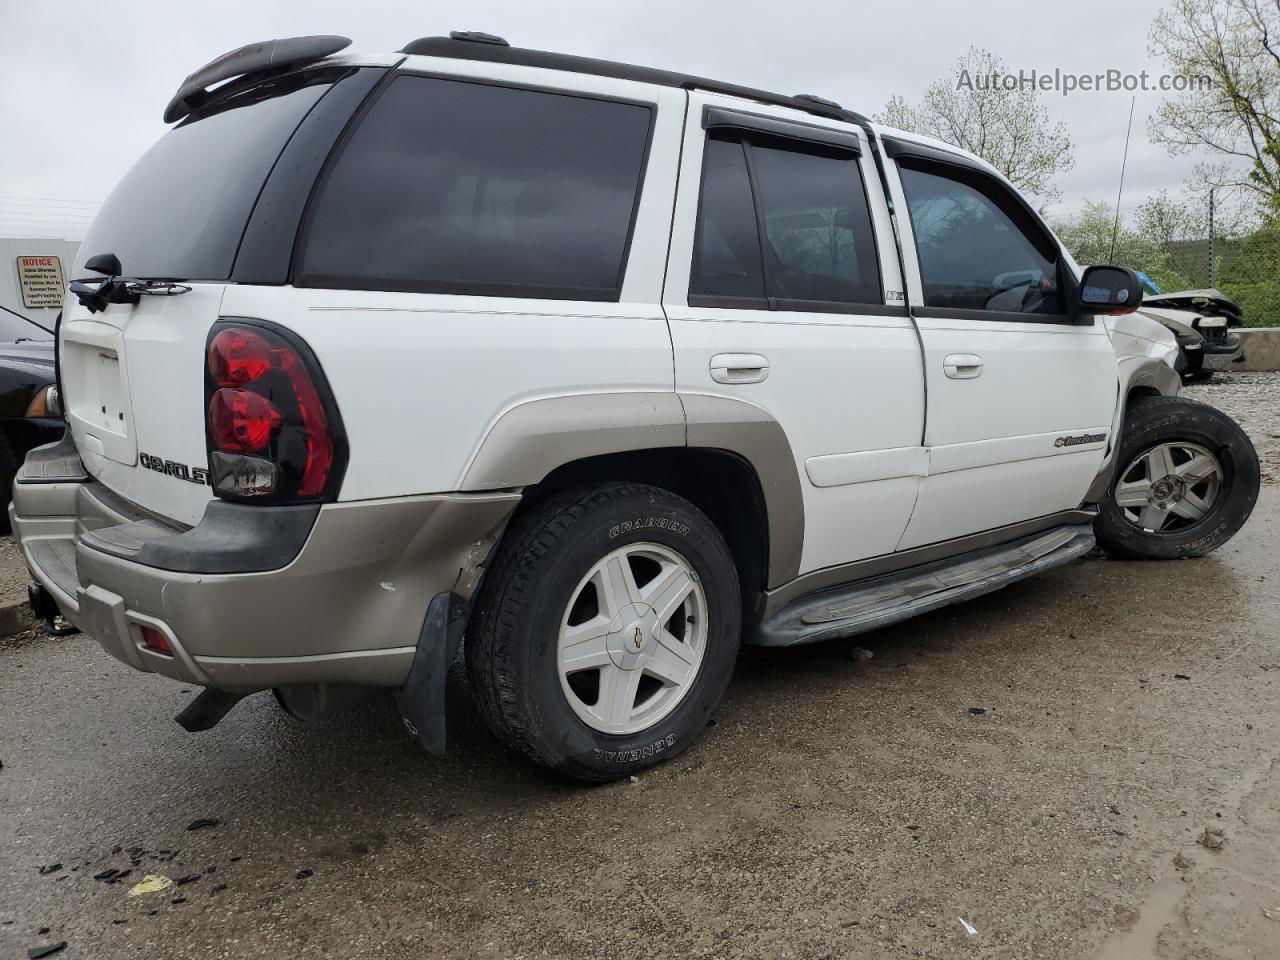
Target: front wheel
1186 481
606 630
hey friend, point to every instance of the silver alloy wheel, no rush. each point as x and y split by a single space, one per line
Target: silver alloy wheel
632 638
1169 487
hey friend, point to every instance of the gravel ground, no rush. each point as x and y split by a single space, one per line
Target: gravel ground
1041 766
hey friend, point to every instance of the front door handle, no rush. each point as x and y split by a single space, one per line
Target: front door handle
962 366
739 368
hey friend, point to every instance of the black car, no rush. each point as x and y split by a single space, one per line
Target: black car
29 411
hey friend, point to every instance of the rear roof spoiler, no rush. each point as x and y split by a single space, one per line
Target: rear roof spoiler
252 58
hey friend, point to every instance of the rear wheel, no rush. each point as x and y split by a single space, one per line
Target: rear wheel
1187 481
606 631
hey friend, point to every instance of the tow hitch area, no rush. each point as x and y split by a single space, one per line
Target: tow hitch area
46 610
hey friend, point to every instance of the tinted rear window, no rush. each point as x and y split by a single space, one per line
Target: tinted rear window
458 187
819 243
727 256
182 208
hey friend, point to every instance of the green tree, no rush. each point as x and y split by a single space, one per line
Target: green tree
1088 236
1226 53
1008 128
1252 276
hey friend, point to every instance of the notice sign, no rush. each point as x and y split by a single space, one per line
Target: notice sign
41 281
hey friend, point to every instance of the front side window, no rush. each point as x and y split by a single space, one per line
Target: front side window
817 244
458 187
974 254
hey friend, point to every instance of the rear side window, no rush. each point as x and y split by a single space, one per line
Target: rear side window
726 258
976 251
817 245
818 240
456 187
181 210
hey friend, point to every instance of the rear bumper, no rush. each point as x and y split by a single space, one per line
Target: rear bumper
347 608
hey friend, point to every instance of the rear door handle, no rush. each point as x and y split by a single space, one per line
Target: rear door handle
962 366
739 368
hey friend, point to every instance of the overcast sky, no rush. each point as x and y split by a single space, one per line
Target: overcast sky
82 85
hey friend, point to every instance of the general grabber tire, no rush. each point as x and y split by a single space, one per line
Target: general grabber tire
1186 480
606 630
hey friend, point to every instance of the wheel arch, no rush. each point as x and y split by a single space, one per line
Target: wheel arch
1138 376
720 483
730 458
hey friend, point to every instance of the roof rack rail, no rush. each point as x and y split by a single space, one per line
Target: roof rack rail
478 36
460 46
266 55
814 98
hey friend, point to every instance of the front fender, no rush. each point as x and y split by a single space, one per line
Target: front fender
1146 352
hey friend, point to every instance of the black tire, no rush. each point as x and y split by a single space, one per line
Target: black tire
512 642
1151 421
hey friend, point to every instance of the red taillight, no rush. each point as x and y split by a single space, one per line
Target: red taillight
240 421
315 425
267 397
154 639
238 356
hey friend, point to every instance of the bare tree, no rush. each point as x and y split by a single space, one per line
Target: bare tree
1005 123
1227 54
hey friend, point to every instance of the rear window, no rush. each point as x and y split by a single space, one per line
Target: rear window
182 208
817 247
458 187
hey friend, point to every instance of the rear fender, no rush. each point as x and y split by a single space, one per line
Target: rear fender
530 440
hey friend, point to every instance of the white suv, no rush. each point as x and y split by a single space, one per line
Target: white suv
605 368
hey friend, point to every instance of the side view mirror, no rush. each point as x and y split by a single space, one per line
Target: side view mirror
1109 290
104 263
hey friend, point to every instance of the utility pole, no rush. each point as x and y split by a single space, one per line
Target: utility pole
1211 189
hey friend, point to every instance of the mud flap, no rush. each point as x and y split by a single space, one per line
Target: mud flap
207 710
422 696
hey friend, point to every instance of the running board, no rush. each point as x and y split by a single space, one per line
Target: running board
872 604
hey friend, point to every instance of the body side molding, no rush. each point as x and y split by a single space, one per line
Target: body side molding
839 469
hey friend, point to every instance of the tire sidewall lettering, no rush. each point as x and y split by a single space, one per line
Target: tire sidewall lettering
641 524
635 754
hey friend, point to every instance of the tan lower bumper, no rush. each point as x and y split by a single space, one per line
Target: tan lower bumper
348 609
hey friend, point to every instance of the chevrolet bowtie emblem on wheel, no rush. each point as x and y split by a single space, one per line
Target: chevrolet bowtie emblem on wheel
638 639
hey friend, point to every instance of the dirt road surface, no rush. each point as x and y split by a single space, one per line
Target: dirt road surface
1026 775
